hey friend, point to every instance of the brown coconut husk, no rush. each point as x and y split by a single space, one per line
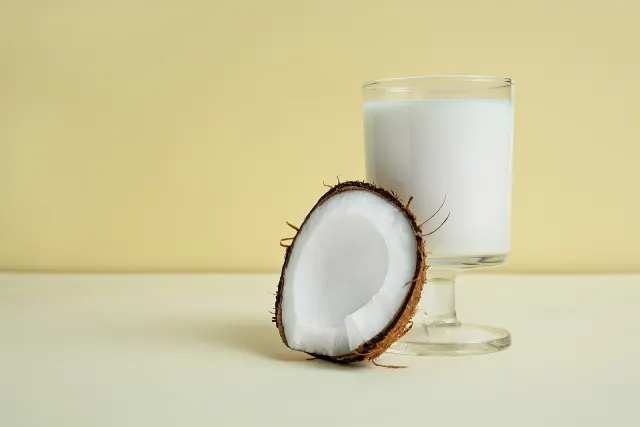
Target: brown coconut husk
401 322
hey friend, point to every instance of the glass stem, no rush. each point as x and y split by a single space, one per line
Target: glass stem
439 298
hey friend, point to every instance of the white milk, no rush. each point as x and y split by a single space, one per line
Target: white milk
458 148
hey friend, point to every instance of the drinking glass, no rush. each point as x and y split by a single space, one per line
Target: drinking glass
446 141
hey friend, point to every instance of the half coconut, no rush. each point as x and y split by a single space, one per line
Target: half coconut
352 275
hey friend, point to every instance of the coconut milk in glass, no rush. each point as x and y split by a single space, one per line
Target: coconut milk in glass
447 142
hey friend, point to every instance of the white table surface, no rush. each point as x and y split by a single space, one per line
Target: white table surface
192 350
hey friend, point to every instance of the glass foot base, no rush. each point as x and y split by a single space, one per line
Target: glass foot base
453 339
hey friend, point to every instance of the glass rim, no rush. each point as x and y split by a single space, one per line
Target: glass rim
501 81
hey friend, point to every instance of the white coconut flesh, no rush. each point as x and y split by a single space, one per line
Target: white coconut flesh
346 275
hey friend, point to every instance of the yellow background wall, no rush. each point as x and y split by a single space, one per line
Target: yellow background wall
177 136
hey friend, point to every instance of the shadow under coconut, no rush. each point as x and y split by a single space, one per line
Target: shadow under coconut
263 339
258 338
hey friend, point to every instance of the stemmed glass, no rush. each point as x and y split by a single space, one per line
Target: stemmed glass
446 141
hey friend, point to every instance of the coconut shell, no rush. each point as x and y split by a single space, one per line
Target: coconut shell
401 322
